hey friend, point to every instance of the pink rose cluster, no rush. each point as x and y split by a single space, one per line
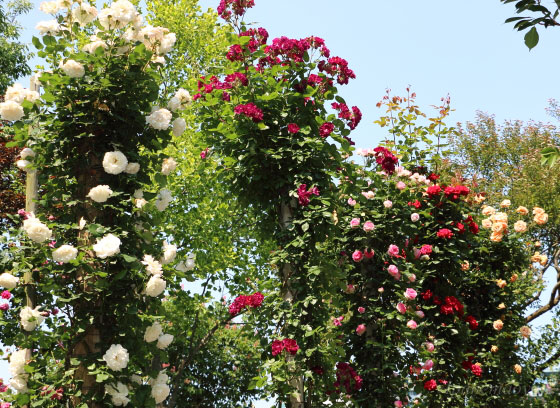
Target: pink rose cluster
243 301
290 345
249 110
304 194
386 159
347 377
238 7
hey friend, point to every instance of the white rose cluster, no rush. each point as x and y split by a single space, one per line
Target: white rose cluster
65 253
8 281
178 126
155 286
100 193
114 162
50 27
168 166
118 393
155 332
180 100
159 119
164 340
188 265
152 266
118 15
116 357
156 39
73 68
17 369
169 253
107 246
84 14
163 199
95 43
30 318
11 108
36 230
160 389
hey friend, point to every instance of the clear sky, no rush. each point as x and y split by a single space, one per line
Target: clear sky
439 47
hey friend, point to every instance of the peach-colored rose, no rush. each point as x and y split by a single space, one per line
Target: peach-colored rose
543 260
499 217
541 218
465 266
499 227
501 283
537 210
517 368
520 226
479 198
513 278
522 210
494 349
488 211
498 325
486 223
538 244
505 204
496 237
501 306
525 331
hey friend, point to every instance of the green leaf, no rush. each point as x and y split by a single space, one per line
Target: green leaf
101 377
532 38
37 43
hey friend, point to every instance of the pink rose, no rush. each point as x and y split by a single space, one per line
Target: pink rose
361 309
414 217
412 278
393 270
417 253
412 324
351 202
357 256
420 314
369 253
401 307
6 295
401 185
368 194
410 294
361 329
387 203
429 346
4 306
398 404
337 321
368 226
393 250
428 365
354 223
350 289
381 290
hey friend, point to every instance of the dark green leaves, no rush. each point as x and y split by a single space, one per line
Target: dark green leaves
532 38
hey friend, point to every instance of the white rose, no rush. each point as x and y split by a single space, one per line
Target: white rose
139 193
114 162
36 230
140 203
100 193
73 69
152 332
50 27
156 286
65 253
179 126
414 217
118 15
152 266
23 164
84 14
135 378
30 318
107 246
8 281
164 340
169 253
163 199
15 93
180 100
95 43
17 362
118 393
160 392
49 7
82 223
31 96
158 60
11 111
159 119
132 168
167 43
19 383
168 166
27 152
116 357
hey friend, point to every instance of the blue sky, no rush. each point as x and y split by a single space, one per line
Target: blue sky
439 47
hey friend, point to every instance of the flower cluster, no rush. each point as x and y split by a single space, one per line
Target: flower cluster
290 345
243 301
238 7
347 377
304 194
249 110
386 159
11 109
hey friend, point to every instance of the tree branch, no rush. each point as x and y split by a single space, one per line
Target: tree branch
554 295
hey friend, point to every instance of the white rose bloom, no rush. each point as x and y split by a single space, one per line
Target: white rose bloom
8 281
162 378
11 111
114 162
169 253
140 203
107 246
168 166
163 199
27 152
50 27
135 378
158 60
116 357
19 383
73 69
84 14
22 164
152 266
139 193
164 340
118 393
62 4
31 96
95 43
179 126
65 253
100 193
167 43
16 93
151 36
132 168
118 15
17 362
183 97
152 332
36 230
49 7
159 119
30 318
155 286
160 391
